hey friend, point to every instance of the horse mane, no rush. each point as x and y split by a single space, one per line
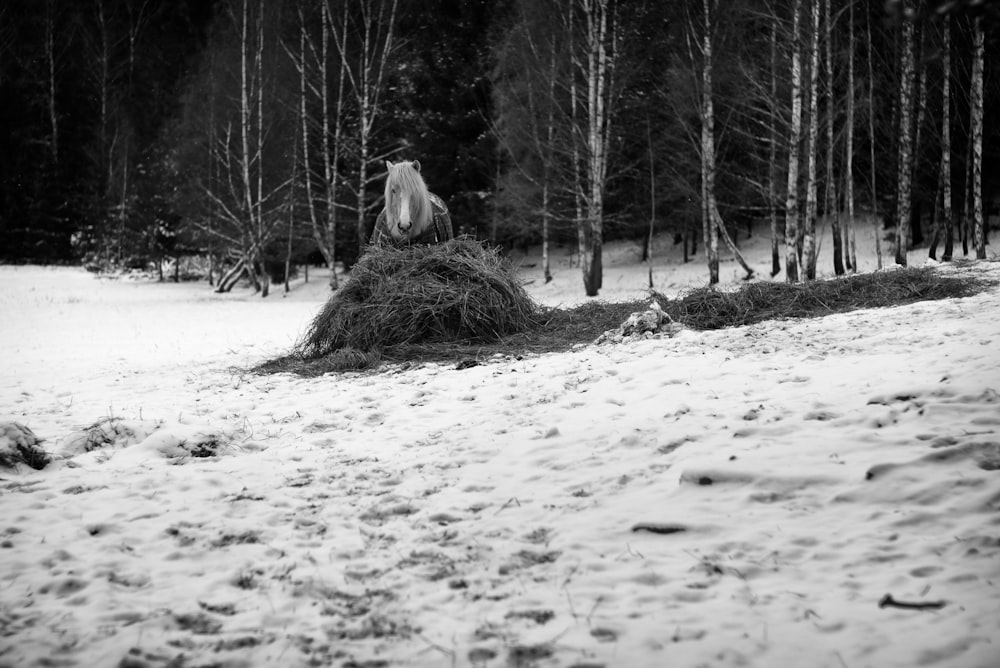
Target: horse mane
406 176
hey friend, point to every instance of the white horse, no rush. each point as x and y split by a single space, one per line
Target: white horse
412 214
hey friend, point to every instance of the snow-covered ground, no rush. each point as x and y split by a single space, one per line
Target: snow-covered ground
745 497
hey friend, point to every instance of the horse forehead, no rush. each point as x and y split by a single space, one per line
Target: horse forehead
403 172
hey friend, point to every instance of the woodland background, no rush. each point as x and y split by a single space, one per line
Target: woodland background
245 137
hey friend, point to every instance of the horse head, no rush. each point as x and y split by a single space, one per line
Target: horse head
407 201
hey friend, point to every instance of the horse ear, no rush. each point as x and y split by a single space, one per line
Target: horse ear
388 165
416 165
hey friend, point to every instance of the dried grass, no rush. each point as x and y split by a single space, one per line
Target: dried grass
459 301
708 308
458 290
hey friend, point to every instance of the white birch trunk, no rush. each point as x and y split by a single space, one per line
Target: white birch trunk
809 233
549 151
849 148
578 221
978 57
946 203
317 231
599 63
832 209
331 168
792 199
905 169
772 165
711 231
876 220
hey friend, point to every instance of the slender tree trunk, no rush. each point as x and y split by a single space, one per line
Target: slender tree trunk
711 232
550 128
317 230
245 121
599 64
652 202
291 217
964 224
581 227
792 198
935 219
331 163
832 210
946 203
849 141
905 170
50 62
916 230
261 234
979 54
104 162
876 219
209 224
809 236
123 202
772 165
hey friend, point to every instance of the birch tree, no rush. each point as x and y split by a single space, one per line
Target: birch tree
365 41
772 163
871 142
809 233
711 232
323 224
976 138
849 145
944 170
832 210
713 224
530 126
596 66
246 185
252 200
331 158
905 159
792 200
51 56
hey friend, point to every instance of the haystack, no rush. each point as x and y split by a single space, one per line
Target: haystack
458 291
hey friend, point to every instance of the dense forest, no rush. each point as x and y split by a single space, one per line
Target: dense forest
139 132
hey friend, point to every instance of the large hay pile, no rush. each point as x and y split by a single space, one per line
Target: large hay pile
458 291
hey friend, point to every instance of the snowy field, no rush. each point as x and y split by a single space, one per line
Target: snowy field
747 497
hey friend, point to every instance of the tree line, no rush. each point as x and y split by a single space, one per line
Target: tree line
256 132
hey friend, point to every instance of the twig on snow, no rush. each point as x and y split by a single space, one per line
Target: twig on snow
888 601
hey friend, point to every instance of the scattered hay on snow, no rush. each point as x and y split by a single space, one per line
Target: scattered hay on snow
455 291
122 439
108 432
19 445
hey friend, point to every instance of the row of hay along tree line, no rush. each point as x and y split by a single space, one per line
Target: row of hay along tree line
463 302
256 132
